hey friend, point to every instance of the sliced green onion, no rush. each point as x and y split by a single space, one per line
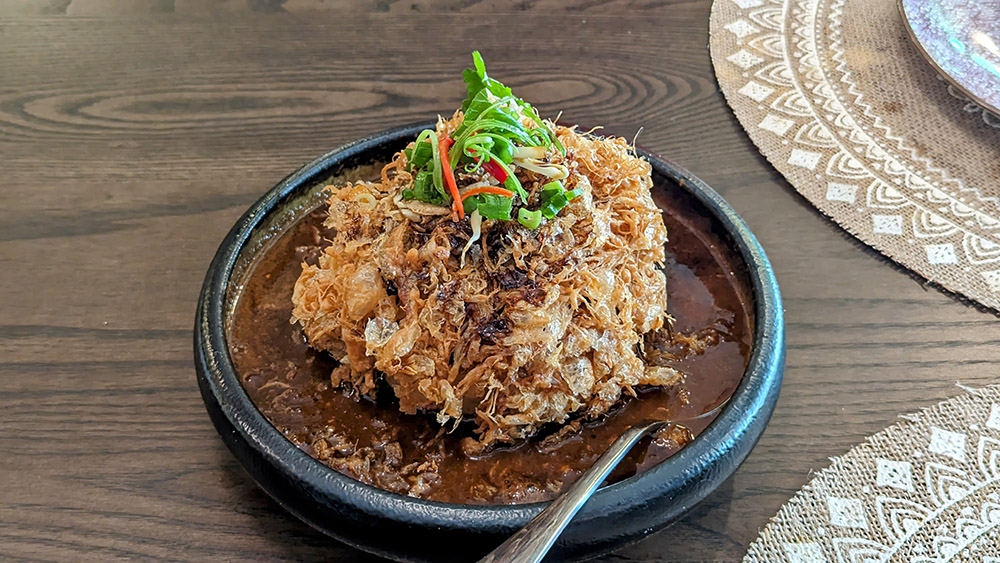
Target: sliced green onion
554 206
554 186
437 172
515 132
554 197
500 146
423 189
421 153
489 206
528 218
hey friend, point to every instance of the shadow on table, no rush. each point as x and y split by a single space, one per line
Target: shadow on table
286 537
699 536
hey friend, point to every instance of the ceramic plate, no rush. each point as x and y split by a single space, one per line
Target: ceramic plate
961 38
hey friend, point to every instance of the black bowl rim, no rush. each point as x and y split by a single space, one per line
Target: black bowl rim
756 393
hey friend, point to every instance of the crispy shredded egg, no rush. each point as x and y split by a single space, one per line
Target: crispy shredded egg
533 327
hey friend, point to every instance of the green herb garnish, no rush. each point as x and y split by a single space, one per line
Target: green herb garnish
499 133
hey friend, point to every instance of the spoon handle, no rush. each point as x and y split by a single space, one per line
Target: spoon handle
532 542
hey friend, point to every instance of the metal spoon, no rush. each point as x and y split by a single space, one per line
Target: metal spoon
533 541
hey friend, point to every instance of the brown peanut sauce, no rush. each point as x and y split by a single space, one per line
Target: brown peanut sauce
411 454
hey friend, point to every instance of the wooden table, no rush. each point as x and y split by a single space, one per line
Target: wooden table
134 132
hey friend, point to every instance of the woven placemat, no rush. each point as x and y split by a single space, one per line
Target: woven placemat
924 490
836 97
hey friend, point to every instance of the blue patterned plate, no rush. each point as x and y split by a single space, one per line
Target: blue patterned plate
961 39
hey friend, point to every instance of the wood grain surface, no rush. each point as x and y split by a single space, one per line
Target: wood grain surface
134 132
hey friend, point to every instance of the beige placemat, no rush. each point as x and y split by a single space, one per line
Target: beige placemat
839 101
924 490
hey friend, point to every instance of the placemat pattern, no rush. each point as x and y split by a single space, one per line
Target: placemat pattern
836 97
924 490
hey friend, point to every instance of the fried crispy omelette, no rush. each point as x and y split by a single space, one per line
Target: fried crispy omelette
524 328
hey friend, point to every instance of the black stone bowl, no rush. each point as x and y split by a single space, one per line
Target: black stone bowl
408 529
